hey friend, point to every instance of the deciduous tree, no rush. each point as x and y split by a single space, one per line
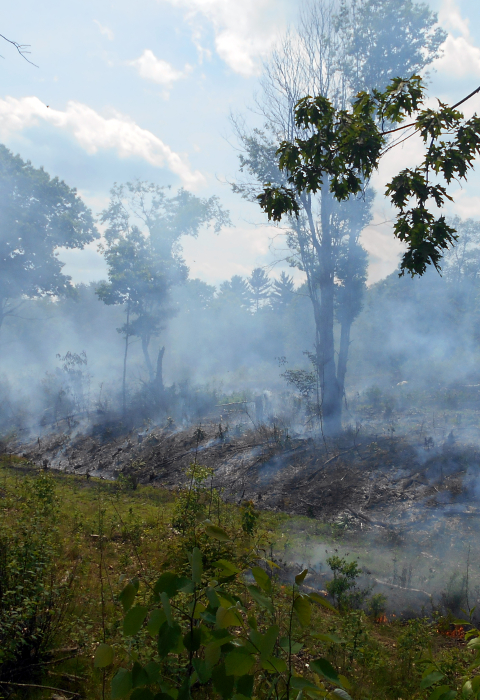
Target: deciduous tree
38 215
144 256
334 52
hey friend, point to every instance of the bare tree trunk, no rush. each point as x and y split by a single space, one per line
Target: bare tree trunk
124 382
148 362
345 329
323 278
331 396
159 386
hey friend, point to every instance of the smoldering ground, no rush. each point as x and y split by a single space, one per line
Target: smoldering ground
405 505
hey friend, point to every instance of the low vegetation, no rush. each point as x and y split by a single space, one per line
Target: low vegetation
118 590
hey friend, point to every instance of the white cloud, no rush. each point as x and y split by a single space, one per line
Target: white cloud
235 252
93 132
152 68
242 34
461 57
105 30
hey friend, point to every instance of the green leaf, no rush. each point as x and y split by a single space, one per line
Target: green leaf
345 682
153 671
260 599
227 567
167 608
142 694
227 618
127 596
272 564
342 694
170 584
324 668
262 579
103 656
238 662
213 598
299 578
168 637
443 692
303 610
134 620
329 638
265 643
203 670
217 533
222 682
212 653
184 692
121 684
245 685
474 643
295 646
274 665
320 599
163 696
301 683
197 566
431 679
155 621
139 676
192 639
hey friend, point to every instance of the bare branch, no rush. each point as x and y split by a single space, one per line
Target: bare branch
21 48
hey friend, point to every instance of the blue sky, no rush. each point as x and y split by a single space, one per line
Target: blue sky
145 90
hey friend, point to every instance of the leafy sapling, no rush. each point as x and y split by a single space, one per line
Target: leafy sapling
226 634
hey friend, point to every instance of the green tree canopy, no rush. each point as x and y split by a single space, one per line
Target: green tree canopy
342 148
144 256
38 215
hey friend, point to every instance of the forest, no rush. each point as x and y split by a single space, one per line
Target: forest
265 488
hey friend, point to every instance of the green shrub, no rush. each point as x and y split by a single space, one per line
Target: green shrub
32 598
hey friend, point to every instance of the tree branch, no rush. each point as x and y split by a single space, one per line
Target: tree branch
21 48
406 126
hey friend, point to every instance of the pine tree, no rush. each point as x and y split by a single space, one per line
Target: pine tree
259 286
282 292
236 291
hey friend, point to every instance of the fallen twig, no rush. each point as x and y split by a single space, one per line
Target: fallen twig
317 471
369 520
402 588
45 687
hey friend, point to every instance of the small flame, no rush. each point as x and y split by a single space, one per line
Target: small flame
457 633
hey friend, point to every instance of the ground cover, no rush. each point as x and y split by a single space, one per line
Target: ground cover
84 539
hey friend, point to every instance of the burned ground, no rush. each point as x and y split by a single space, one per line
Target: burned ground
381 481
402 504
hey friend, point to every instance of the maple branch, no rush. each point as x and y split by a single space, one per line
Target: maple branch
406 126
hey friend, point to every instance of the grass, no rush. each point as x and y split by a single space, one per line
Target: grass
100 535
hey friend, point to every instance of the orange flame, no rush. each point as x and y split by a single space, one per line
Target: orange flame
457 633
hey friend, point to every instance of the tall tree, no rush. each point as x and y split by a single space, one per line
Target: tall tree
144 256
235 291
38 215
336 48
282 291
259 286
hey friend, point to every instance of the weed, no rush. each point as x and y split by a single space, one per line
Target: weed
343 588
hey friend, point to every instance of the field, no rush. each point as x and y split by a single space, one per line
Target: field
70 544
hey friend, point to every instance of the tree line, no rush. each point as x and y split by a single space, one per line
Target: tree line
332 93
